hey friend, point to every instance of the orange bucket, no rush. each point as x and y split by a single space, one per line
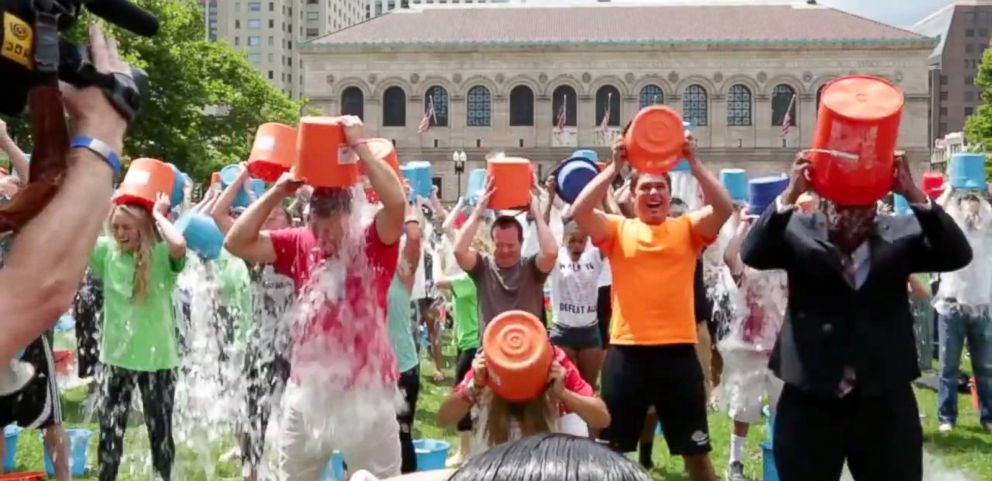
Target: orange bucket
33 476
144 180
512 178
383 148
323 159
273 152
655 139
518 356
855 139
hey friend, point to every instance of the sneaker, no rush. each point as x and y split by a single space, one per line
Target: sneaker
735 472
946 427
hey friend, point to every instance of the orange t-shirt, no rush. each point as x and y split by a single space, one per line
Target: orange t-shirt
653 268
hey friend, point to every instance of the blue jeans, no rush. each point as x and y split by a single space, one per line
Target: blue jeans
955 329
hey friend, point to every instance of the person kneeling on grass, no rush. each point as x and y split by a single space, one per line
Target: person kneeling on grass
497 420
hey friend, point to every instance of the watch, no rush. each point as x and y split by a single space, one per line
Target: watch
100 148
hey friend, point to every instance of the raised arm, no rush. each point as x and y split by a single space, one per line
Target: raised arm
548 255
584 211
172 237
732 254
221 209
412 249
719 206
765 246
465 255
385 183
448 227
246 238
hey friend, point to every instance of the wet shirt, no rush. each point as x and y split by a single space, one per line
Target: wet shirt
653 277
400 333
520 287
346 315
575 288
138 334
235 285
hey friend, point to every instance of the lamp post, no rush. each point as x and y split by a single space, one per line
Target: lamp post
459 158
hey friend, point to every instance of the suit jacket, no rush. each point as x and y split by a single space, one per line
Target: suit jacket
830 324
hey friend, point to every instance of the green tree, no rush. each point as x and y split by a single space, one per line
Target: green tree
978 126
190 77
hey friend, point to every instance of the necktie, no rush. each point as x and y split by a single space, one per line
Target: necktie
850 271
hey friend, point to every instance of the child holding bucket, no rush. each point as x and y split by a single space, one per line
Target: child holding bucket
521 385
138 263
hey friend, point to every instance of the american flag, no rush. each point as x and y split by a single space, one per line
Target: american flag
605 124
562 114
425 123
787 119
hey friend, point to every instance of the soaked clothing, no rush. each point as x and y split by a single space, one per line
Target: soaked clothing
503 289
158 390
138 335
88 313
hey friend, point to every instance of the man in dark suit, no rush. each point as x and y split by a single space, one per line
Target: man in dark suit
846 351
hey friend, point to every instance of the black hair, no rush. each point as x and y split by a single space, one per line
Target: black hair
506 222
550 457
327 201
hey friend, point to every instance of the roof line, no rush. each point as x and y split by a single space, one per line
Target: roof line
876 22
940 11
921 41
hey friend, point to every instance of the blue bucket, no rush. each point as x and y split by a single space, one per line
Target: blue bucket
335 469
476 184
573 175
257 189
682 166
178 182
967 171
763 191
770 469
10 436
735 181
586 154
418 173
900 205
431 454
201 233
79 440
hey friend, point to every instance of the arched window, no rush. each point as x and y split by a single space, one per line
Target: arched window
439 96
521 106
608 100
394 107
564 96
651 95
353 102
739 106
479 107
695 105
783 98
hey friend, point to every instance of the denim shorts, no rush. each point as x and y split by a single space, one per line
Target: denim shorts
577 338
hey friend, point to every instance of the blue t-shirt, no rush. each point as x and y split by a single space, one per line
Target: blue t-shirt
398 306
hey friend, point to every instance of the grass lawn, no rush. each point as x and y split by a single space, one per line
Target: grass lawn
967 448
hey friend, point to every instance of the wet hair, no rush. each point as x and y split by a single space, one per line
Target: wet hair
147 238
328 201
506 222
635 175
530 417
550 457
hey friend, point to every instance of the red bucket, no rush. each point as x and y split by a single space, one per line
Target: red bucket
933 183
23 477
63 361
855 141
273 152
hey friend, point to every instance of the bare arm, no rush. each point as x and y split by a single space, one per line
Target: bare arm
591 409
18 161
221 209
411 252
708 220
584 211
174 239
453 409
732 255
50 253
448 227
246 238
465 255
548 255
385 183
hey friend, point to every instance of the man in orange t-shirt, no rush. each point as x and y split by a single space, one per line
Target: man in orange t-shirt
652 360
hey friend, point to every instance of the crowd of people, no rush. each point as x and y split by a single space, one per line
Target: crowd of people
319 294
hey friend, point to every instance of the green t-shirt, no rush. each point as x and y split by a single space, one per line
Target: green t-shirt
466 308
398 309
235 284
137 335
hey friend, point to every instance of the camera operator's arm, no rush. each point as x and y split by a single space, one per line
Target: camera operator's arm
46 260
18 161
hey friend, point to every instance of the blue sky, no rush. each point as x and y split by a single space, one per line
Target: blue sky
902 13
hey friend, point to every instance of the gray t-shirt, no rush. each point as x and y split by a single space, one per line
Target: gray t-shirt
520 287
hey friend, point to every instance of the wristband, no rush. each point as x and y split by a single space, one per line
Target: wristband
99 148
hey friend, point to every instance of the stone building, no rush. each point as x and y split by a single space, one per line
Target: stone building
499 77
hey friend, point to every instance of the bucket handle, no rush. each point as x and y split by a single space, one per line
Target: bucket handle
835 153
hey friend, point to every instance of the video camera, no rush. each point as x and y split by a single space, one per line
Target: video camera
32 52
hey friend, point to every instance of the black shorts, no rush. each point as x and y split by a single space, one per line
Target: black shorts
37 406
604 311
577 338
464 365
666 377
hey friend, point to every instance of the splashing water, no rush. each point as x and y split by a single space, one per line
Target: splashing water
971 286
